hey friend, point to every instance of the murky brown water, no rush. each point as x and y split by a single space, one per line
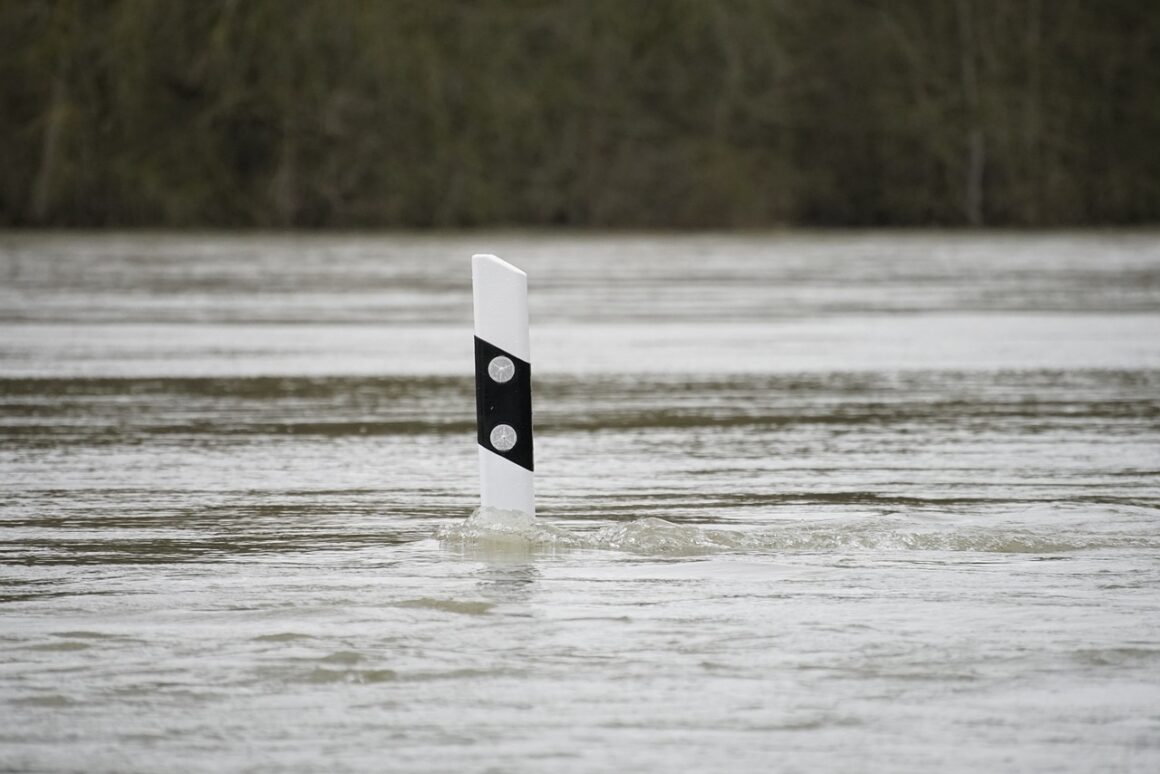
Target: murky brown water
808 502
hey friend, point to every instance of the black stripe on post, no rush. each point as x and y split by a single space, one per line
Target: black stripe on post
506 403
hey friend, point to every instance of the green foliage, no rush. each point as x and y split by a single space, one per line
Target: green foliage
605 113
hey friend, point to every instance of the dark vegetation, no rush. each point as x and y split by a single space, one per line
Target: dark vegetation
604 113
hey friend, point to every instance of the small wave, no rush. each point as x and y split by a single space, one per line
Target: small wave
461 606
52 700
60 646
344 657
497 532
283 637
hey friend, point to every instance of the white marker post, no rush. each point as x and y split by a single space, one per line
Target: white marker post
503 385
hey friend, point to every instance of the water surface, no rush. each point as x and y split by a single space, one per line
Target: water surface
807 502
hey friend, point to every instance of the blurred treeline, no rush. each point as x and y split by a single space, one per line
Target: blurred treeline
650 113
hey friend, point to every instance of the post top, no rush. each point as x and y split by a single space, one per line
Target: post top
485 262
500 292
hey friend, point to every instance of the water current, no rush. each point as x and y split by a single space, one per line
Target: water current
806 502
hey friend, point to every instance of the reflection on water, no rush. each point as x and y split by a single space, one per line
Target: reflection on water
852 502
506 580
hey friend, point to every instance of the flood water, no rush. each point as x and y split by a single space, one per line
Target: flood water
807 502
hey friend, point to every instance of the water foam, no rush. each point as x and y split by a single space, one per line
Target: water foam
499 530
